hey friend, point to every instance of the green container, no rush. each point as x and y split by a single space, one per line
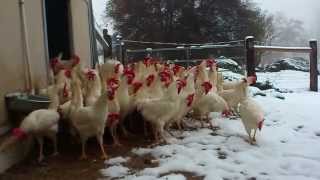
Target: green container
23 103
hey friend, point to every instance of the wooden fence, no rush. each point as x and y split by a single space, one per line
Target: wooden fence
251 49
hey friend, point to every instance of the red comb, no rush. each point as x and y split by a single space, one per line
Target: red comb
181 84
136 86
190 98
210 62
54 62
76 60
65 91
150 79
113 118
67 73
117 68
91 75
19 133
207 86
147 61
176 69
111 93
113 83
260 123
252 79
226 113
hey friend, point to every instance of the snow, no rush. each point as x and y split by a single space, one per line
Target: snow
227 61
287 147
116 161
115 171
289 79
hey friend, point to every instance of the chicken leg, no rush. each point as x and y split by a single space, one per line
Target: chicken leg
114 136
55 146
53 137
41 156
100 141
254 135
83 149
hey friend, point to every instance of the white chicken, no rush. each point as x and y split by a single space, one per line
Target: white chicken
207 103
186 99
88 121
125 100
93 87
234 96
110 69
39 123
252 117
114 109
213 74
159 111
219 82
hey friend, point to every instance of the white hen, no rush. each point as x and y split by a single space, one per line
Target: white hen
39 123
159 111
88 121
252 117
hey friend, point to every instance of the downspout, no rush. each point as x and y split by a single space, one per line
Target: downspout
92 34
25 48
45 38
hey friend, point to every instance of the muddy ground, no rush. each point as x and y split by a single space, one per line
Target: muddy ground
67 166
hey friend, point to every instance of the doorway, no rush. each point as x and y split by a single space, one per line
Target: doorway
58 28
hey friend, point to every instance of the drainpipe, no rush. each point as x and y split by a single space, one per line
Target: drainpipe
92 33
25 48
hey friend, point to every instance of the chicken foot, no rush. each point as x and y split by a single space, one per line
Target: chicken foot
254 135
211 124
252 140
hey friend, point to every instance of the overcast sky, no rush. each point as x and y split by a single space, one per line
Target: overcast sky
305 10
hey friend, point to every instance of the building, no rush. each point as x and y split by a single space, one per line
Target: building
32 32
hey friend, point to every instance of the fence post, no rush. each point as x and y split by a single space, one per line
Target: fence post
119 47
313 66
188 55
249 43
124 52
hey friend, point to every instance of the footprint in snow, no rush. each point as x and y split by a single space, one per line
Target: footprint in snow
222 155
298 128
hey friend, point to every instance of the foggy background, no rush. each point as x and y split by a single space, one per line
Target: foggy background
307 11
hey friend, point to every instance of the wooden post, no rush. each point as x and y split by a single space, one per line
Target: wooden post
188 49
107 51
249 43
124 52
119 48
313 66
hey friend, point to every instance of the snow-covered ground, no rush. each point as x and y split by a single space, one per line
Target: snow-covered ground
288 147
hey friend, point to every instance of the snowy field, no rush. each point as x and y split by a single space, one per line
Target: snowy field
288 147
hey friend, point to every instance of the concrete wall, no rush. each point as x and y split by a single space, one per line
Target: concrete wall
11 58
80 28
12 64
